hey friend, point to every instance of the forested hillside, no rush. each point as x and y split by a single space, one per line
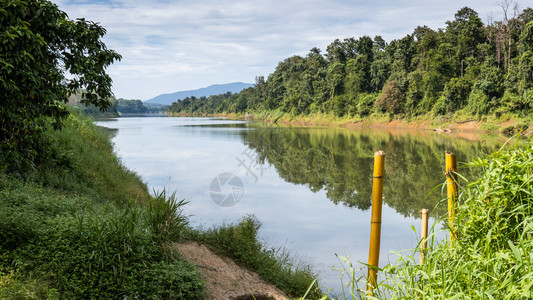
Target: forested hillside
468 66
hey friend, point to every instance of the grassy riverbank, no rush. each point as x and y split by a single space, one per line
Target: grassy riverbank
505 124
76 224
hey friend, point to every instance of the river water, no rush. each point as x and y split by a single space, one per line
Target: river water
309 187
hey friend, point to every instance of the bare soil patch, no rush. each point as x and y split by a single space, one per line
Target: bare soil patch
225 279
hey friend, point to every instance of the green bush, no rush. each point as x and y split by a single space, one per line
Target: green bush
478 103
366 104
453 97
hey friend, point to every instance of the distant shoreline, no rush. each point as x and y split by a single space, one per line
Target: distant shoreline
484 125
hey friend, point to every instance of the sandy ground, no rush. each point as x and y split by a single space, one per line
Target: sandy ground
225 279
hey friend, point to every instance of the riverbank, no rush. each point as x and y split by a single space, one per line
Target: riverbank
78 224
509 125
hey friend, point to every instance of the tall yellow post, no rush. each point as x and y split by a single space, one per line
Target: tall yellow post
451 187
375 222
424 235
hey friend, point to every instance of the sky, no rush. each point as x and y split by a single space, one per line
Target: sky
169 46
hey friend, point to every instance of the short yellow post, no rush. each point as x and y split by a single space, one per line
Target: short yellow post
375 222
451 187
424 235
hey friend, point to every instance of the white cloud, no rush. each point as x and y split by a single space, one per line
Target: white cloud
169 46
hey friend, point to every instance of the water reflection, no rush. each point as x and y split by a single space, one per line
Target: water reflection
340 162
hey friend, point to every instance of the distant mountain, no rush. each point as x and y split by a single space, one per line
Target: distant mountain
215 89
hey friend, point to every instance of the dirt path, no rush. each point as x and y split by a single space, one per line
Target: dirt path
225 279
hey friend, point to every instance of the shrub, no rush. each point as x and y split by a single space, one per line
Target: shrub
366 104
453 97
478 102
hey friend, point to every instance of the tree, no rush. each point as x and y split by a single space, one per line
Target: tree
45 57
526 67
336 52
391 99
379 44
465 33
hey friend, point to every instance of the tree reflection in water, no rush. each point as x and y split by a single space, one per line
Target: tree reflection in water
340 162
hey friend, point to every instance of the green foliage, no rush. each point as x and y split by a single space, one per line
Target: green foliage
527 101
125 106
454 96
525 71
465 32
239 242
164 216
526 38
81 226
365 104
490 81
478 102
75 104
39 46
391 99
415 91
513 102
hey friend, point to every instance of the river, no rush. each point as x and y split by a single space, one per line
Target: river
309 187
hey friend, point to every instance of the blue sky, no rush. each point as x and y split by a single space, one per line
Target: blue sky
170 46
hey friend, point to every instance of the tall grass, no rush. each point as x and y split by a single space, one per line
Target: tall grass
165 216
492 257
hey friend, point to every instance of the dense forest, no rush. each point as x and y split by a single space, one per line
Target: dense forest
131 106
468 67
116 107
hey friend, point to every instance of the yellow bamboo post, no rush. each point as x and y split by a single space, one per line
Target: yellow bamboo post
375 222
424 235
451 187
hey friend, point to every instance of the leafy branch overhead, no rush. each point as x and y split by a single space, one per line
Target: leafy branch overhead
45 57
